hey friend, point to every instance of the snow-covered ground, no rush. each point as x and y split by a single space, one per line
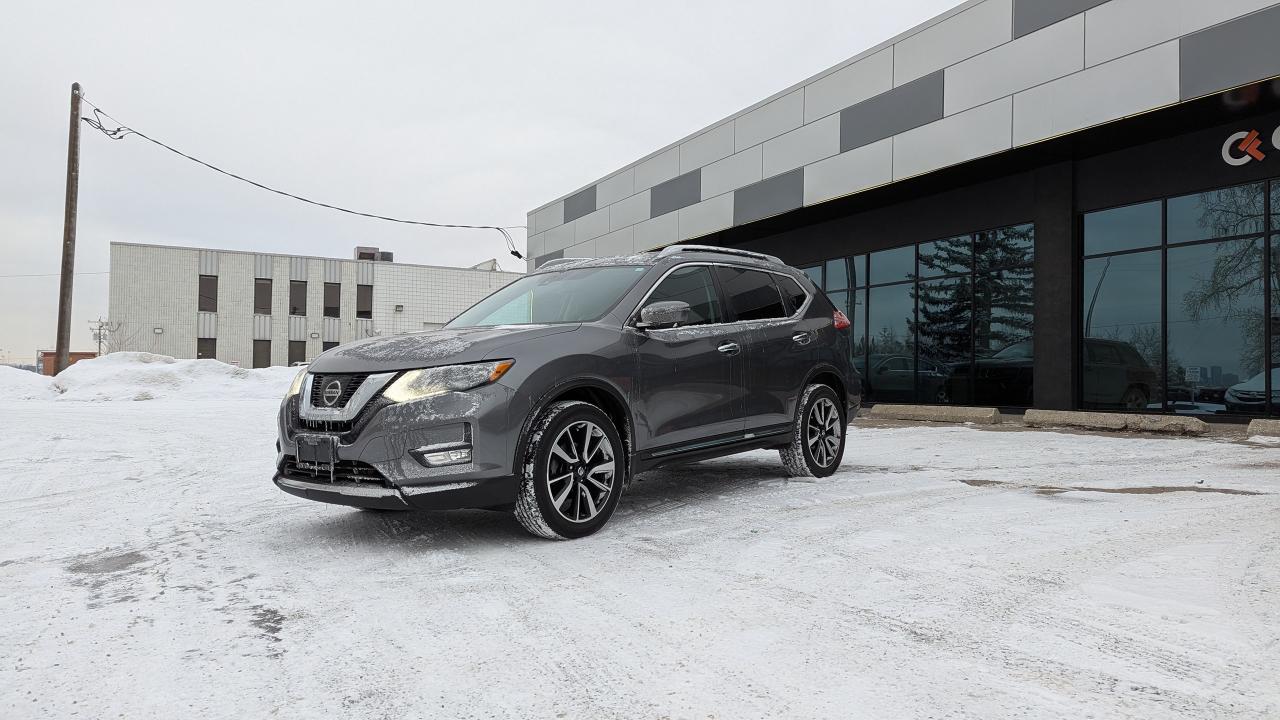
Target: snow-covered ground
149 569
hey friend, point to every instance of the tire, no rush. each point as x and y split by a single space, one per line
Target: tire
1134 399
565 491
817 444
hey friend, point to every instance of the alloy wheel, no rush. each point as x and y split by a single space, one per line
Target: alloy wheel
580 471
823 432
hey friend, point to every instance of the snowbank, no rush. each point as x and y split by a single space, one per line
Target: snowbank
144 376
18 384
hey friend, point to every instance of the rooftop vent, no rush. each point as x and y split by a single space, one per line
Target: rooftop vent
374 254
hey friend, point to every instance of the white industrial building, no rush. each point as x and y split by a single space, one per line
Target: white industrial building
257 309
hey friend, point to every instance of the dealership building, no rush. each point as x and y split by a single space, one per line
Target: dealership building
1024 203
256 309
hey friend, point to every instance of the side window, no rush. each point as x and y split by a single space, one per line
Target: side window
751 294
897 364
692 285
795 294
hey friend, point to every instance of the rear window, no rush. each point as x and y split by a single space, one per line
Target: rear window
793 292
751 294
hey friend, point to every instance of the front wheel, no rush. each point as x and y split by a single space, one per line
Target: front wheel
573 472
817 444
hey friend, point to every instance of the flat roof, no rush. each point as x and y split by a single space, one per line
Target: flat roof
314 257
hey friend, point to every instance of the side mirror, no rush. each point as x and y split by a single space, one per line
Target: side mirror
665 314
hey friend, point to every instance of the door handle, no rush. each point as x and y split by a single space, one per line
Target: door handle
730 348
802 338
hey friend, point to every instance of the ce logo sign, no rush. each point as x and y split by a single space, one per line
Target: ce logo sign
1246 146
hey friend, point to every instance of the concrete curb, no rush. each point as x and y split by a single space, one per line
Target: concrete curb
1269 428
935 413
1171 424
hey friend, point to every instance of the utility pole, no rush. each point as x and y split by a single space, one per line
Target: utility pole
100 330
69 233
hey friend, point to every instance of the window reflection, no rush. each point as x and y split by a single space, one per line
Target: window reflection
837 275
889 371
893 265
1123 351
946 257
945 340
1004 307
1006 247
1215 326
1125 228
1275 312
858 270
1226 212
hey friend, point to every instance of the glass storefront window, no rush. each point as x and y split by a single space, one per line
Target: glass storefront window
1275 317
1006 247
945 340
1215 326
1124 228
889 368
946 257
858 270
837 275
894 265
1226 212
858 317
1003 319
814 273
1123 351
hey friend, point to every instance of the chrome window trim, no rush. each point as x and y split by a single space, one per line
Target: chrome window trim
634 315
361 397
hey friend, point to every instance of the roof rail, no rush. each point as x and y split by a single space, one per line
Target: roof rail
559 261
673 249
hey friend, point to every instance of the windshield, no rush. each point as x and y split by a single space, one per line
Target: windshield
568 296
1016 350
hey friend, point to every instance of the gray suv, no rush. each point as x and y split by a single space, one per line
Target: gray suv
551 394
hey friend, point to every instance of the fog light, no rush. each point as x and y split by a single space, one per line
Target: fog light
440 458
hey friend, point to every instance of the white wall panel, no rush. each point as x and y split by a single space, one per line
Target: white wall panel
618 242
961 36
1123 26
1032 59
802 146
591 225
548 217
964 136
615 187
659 168
849 172
706 148
768 121
662 230
1131 84
629 211
706 216
851 84
733 172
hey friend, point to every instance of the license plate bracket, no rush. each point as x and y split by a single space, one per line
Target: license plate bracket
317 453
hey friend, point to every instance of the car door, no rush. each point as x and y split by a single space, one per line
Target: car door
688 379
896 379
777 357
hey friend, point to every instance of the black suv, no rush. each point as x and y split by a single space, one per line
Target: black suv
549 395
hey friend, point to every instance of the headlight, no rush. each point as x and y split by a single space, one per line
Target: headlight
296 386
429 382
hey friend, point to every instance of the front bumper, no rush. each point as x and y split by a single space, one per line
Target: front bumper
380 454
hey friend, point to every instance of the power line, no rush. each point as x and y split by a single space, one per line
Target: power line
122 131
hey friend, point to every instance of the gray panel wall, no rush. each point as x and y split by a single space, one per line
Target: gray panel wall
208 262
983 78
263 266
206 324
298 269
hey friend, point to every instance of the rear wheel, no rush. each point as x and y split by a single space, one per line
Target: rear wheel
817 444
1134 399
572 472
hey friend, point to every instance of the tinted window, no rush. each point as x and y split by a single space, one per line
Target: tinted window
751 294
297 351
692 285
297 297
814 273
1006 247
332 299
206 349
364 301
262 296
858 270
564 296
837 276
261 353
208 293
794 293
328 346
1121 297
893 265
1124 228
946 257
944 338
1217 213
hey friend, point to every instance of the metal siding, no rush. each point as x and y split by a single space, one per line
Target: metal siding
364 273
206 325
333 271
297 327
580 203
298 268
908 106
1032 15
332 330
261 327
263 267
770 197
1230 54
676 193
208 262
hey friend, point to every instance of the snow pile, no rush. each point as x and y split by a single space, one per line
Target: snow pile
145 376
18 384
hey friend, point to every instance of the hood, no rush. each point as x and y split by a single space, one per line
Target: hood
1258 383
429 349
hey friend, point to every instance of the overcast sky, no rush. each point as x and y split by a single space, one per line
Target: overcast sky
449 112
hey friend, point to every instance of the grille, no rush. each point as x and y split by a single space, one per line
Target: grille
350 383
345 471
